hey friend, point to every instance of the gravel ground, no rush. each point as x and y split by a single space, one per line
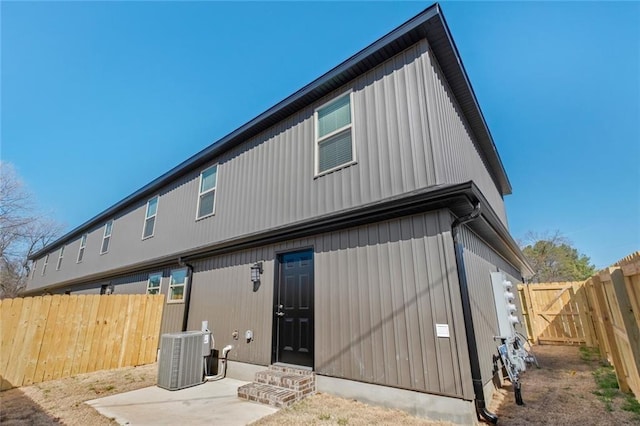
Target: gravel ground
559 393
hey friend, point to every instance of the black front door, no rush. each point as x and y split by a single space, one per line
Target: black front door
293 311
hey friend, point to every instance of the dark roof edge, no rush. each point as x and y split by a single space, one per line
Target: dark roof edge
491 218
243 131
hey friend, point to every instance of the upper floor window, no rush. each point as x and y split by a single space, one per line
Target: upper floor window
207 193
106 237
83 244
177 285
150 218
334 134
34 265
154 283
44 265
60 256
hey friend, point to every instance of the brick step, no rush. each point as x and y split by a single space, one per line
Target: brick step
290 370
279 386
284 379
268 394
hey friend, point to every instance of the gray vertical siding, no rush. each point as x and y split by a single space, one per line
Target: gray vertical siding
457 157
222 294
172 317
124 284
407 133
379 291
480 260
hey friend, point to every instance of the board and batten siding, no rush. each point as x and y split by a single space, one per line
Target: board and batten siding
269 180
379 291
479 261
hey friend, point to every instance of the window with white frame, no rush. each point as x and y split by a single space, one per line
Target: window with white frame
106 237
60 256
154 283
207 192
150 218
83 244
34 265
177 285
334 134
44 265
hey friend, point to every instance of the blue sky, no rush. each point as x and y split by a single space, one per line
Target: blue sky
98 99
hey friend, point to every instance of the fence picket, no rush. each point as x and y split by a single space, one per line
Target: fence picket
48 337
88 350
11 309
39 323
17 359
603 311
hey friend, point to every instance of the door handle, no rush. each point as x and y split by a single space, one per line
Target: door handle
280 314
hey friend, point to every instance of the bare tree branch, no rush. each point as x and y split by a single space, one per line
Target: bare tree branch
23 231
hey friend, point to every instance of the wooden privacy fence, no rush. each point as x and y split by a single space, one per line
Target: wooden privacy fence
603 311
49 337
557 313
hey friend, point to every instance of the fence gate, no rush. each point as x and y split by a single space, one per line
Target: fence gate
558 313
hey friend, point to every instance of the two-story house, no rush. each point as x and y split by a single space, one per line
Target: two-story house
352 227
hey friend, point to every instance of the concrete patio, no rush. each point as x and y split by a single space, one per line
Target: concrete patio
210 403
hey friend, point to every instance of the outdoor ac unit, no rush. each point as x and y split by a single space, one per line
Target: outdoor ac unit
181 361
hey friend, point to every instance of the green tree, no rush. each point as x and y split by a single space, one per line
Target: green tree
553 258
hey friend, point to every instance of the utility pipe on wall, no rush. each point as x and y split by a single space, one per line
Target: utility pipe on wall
223 361
187 292
476 375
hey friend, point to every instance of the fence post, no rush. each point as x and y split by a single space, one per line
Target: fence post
631 274
599 290
535 334
628 320
597 315
583 312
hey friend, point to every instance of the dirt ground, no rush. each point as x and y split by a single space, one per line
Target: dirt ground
62 401
561 392
323 409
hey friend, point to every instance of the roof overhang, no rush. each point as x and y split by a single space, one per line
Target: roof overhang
429 24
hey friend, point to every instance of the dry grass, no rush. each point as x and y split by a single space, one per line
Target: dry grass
323 409
562 392
62 400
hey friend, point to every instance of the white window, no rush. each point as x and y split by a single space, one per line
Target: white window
106 237
334 135
60 256
150 218
83 244
177 285
34 265
207 193
44 265
154 284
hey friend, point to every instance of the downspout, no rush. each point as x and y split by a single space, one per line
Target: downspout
476 377
187 292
